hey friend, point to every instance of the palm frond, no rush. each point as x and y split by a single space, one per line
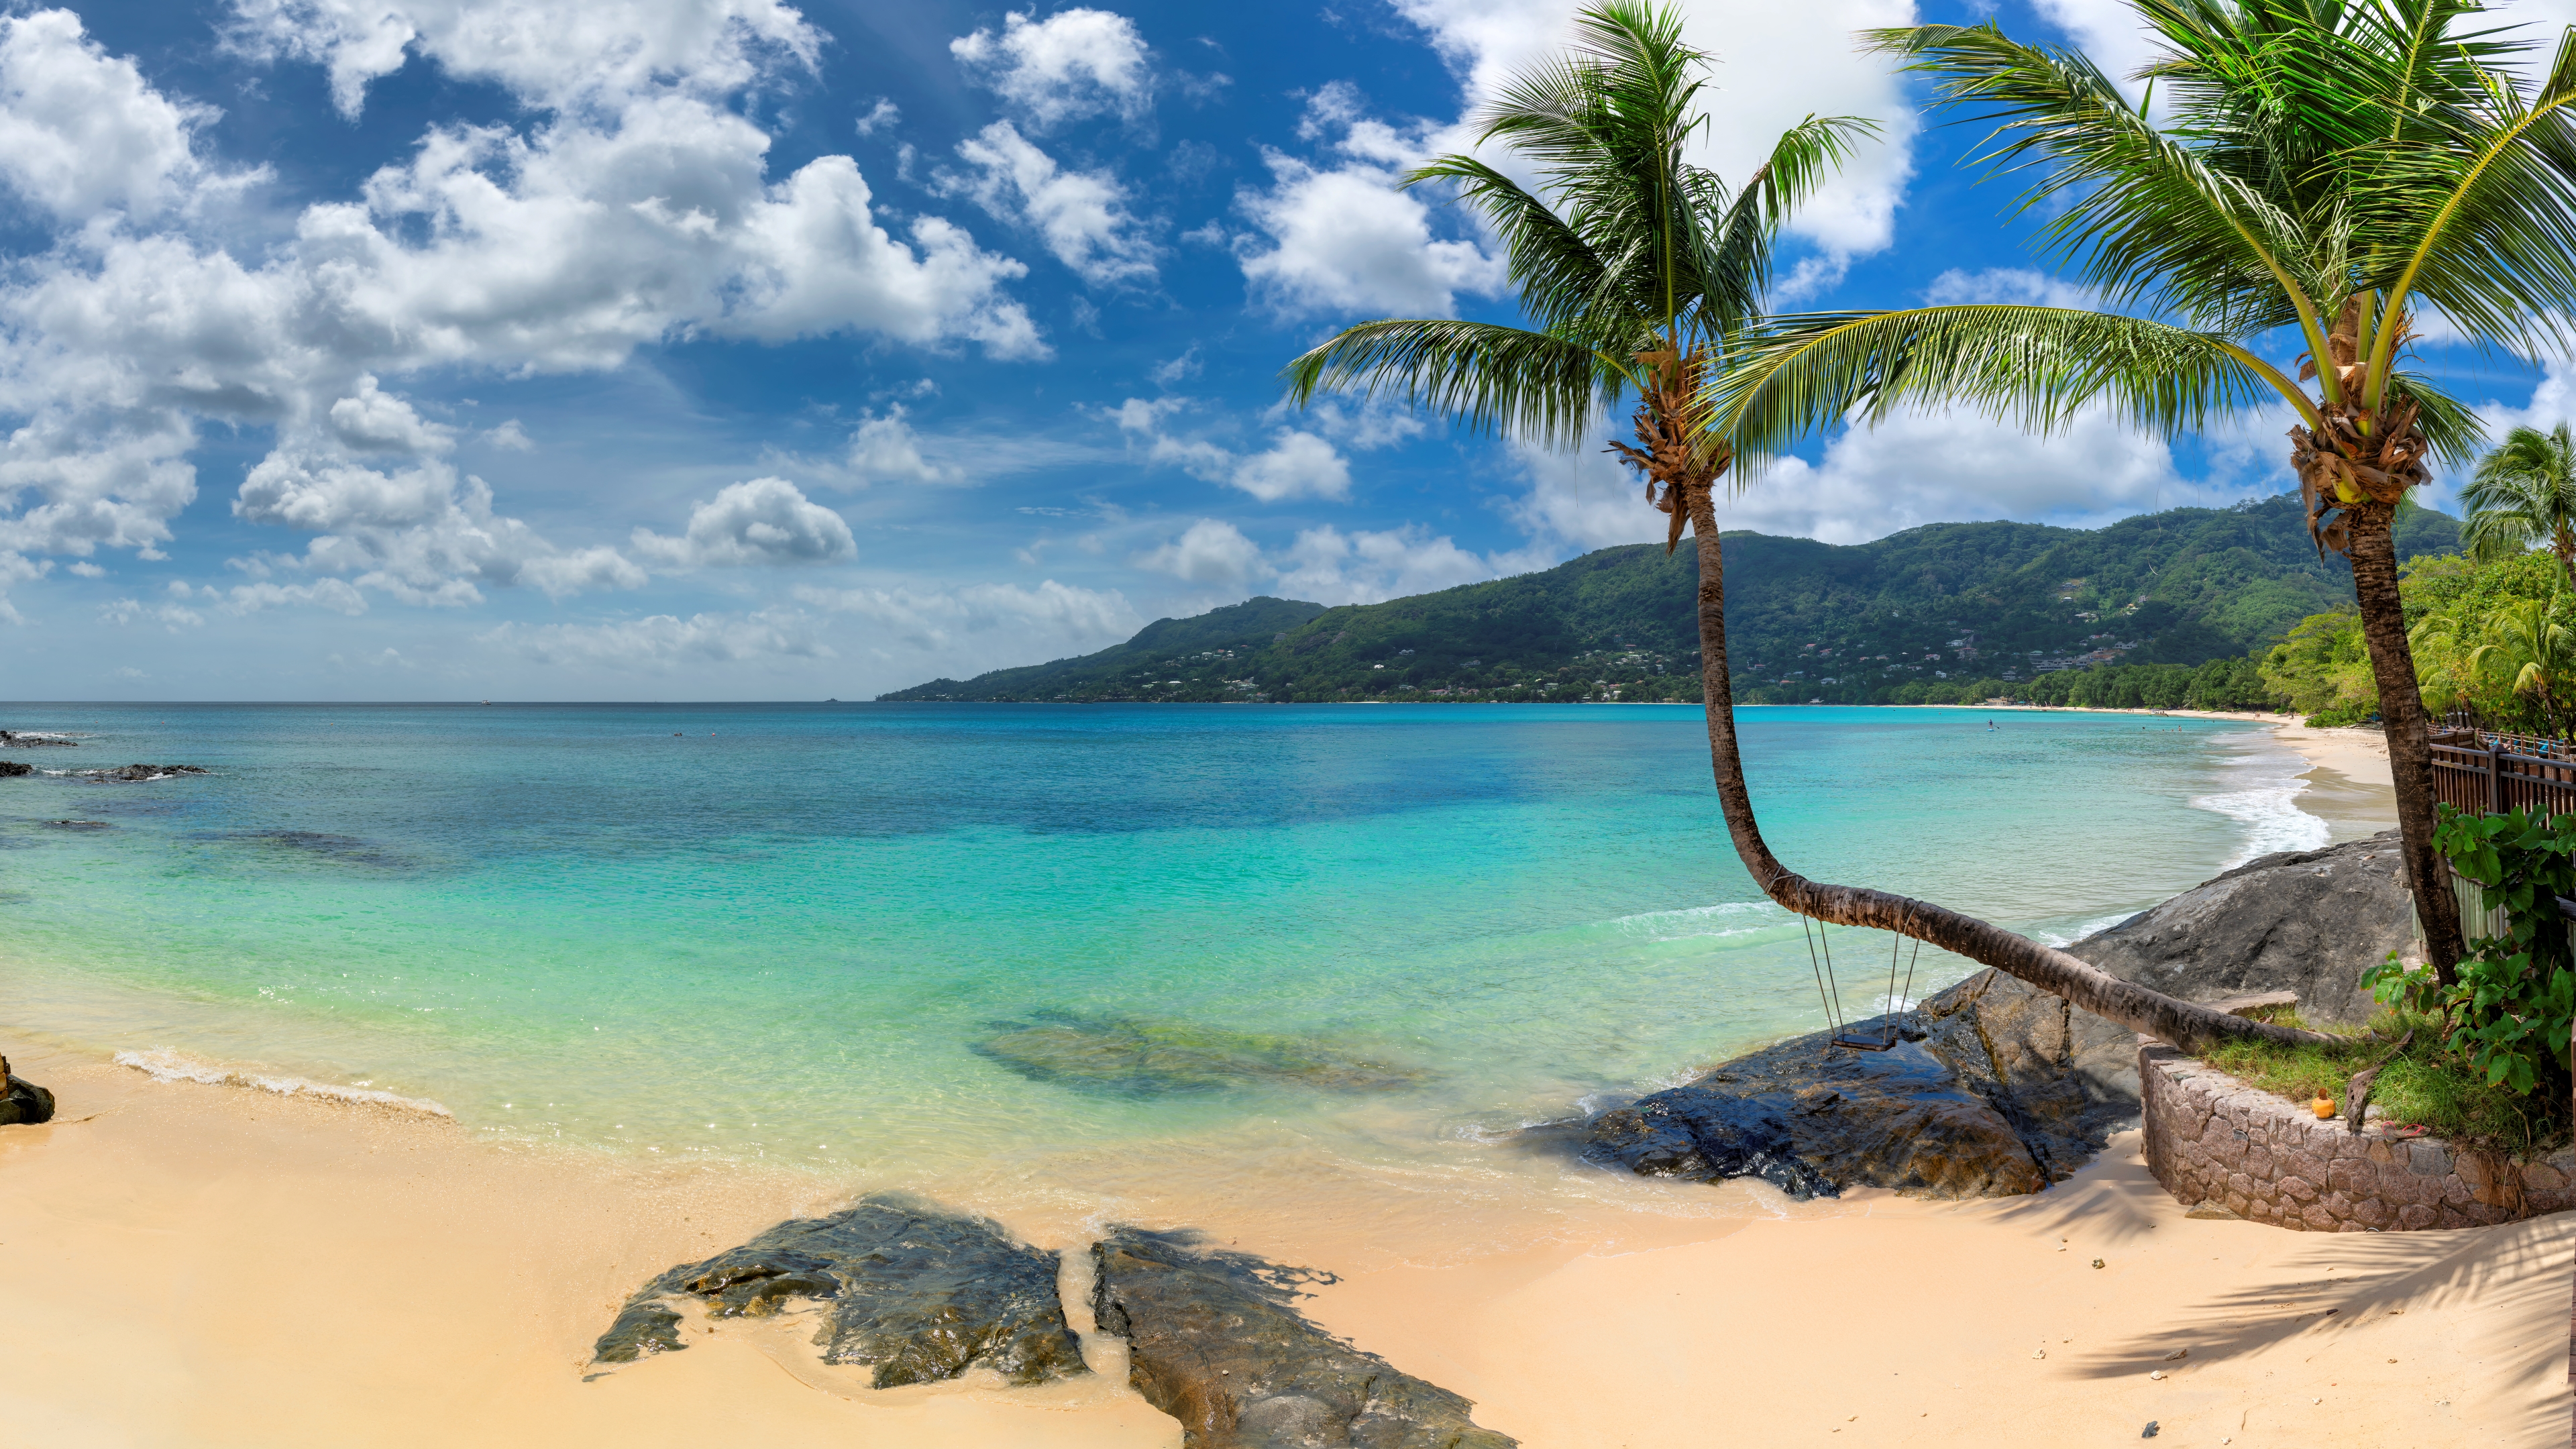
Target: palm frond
2034 367
1489 379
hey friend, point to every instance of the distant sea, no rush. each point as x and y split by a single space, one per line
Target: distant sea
787 935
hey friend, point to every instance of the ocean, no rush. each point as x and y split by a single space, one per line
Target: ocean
1087 960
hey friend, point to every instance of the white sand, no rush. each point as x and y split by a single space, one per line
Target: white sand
196 1265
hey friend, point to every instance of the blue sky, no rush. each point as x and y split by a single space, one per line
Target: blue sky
691 349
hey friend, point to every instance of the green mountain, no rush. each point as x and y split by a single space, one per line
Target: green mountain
1805 620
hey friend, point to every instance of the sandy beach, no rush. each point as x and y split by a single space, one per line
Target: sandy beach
203 1265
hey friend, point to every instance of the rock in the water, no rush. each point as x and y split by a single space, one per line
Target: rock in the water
13 769
2306 921
38 740
137 773
919 1293
25 1103
1213 1342
78 824
1124 1054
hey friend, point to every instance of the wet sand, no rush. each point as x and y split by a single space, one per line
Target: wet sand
205 1265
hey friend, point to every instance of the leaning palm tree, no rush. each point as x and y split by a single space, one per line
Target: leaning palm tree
2335 169
1640 274
2524 495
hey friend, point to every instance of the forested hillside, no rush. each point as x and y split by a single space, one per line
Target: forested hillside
1805 620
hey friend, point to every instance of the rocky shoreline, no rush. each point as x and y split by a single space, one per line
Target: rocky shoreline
1995 1088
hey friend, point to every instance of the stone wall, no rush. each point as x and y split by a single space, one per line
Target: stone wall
2211 1139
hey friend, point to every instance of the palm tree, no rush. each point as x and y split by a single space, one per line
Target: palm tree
2534 655
2524 494
1640 274
2333 168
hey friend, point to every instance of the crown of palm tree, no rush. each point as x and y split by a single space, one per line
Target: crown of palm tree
2524 494
1627 257
2333 168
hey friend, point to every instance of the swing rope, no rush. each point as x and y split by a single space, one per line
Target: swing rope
1830 989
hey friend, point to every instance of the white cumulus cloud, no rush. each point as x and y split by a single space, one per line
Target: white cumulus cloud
1082 215
1075 63
763 521
1209 551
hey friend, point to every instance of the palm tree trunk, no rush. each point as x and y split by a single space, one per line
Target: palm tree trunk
2187 1025
2373 551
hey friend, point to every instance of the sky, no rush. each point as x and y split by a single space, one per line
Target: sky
723 349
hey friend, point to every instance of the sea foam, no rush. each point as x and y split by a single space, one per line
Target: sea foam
170 1066
2264 800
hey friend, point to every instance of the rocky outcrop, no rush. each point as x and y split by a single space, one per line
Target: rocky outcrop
24 1103
1997 1087
22 740
15 770
1214 1341
2306 921
137 773
1139 1057
916 1292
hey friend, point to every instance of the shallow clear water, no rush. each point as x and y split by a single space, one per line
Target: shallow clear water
782 932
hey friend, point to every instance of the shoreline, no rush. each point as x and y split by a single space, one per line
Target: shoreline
202 1265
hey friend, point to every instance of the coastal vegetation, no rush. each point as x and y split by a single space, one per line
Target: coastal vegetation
2483 1060
2336 170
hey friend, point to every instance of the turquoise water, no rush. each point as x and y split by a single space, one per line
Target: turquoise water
780 932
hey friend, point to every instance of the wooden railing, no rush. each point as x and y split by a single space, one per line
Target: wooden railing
2487 774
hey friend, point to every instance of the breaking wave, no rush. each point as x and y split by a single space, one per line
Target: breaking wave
170 1066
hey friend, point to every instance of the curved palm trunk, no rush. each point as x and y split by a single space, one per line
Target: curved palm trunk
2187 1025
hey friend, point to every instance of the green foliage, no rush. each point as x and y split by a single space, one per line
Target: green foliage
2512 1008
2523 496
2427 1083
2323 668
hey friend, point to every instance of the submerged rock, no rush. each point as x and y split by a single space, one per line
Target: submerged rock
1127 1054
1998 1087
24 1103
136 773
1214 1342
919 1293
77 824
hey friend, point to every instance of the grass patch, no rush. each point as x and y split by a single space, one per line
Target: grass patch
2428 1084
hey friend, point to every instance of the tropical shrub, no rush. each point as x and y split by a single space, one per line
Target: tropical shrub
2513 1005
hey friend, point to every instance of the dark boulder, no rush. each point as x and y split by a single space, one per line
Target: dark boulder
1812 1121
26 1103
13 770
1214 1342
1999 1088
919 1293
136 773
2306 921
1139 1057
